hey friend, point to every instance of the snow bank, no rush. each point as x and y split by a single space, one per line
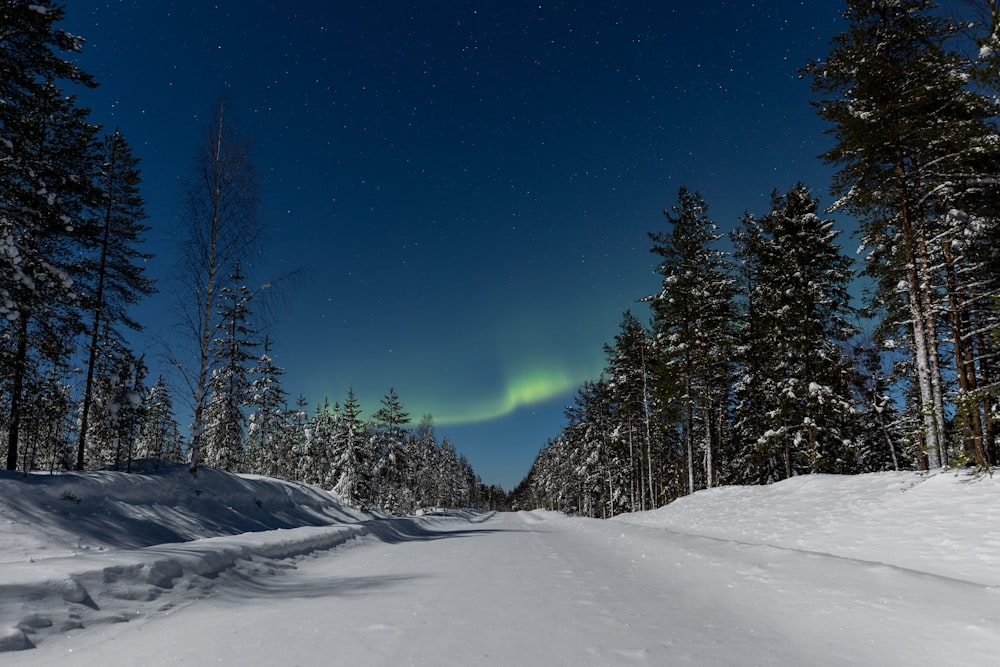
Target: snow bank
88 548
63 514
947 524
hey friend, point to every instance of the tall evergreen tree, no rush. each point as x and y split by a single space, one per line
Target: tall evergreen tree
354 461
694 330
117 408
293 443
317 462
423 452
606 470
912 142
117 274
447 474
48 420
267 442
393 469
47 153
224 436
159 435
797 353
881 444
630 377
753 397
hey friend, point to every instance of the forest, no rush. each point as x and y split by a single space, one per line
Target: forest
755 366
74 395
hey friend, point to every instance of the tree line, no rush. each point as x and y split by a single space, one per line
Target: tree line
754 366
73 394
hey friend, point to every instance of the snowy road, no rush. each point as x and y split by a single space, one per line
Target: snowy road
541 589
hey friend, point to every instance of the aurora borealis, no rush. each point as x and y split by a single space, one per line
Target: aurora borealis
468 185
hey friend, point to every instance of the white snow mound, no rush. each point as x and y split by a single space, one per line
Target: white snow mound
947 524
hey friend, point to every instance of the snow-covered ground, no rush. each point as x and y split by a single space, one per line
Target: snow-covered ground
105 568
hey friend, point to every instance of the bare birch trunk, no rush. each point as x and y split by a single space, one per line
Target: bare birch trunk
923 345
937 390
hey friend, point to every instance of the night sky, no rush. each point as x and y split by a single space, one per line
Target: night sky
468 185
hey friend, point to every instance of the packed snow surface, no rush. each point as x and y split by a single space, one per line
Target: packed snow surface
160 567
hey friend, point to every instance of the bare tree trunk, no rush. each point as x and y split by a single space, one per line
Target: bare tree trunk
937 390
689 437
923 345
222 206
965 368
95 329
645 415
17 390
709 448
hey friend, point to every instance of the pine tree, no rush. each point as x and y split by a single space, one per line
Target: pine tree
294 440
605 472
118 272
470 482
46 157
693 325
880 441
913 142
754 396
448 475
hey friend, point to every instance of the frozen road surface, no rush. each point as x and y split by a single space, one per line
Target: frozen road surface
542 589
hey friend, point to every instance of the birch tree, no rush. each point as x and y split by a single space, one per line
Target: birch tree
222 228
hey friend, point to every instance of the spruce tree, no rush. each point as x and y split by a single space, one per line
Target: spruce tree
48 420
293 441
796 347
752 391
267 444
159 435
316 466
423 451
353 461
224 437
448 475
393 476
694 331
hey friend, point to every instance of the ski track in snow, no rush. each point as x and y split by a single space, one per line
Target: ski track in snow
529 588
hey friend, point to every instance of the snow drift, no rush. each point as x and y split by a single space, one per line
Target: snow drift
793 569
87 548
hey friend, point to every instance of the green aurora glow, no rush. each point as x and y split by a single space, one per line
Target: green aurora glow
522 390
525 385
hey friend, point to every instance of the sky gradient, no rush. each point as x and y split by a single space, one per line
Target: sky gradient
468 185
